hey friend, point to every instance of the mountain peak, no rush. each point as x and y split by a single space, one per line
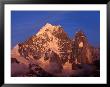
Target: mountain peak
49 27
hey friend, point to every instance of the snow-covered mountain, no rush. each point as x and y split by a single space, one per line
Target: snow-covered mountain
53 51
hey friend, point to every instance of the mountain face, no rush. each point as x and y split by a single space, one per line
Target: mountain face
82 49
49 38
53 51
50 44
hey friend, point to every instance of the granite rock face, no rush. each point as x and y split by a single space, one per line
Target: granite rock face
82 50
52 53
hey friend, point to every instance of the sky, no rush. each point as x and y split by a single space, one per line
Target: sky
24 24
